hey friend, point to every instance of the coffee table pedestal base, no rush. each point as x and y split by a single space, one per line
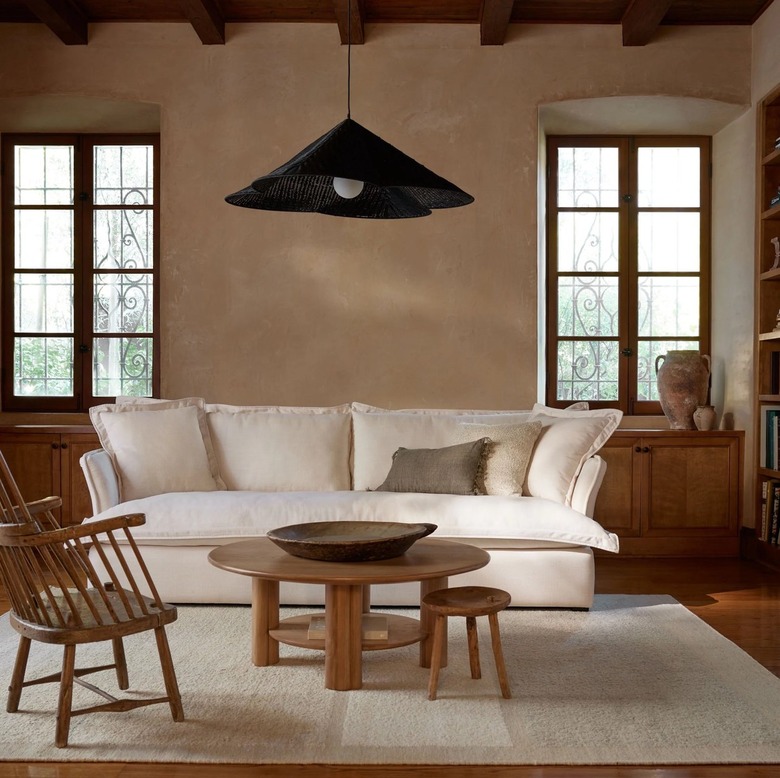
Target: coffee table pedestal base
343 643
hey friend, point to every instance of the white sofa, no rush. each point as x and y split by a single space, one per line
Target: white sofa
205 475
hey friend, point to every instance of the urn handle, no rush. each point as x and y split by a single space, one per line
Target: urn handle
660 356
706 358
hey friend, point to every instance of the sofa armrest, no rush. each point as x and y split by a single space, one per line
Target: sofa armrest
101 478
586 488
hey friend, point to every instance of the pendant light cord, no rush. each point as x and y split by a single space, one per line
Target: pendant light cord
349 57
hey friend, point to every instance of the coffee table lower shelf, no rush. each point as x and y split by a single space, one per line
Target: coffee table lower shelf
401 631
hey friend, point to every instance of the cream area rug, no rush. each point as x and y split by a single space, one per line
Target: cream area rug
636 680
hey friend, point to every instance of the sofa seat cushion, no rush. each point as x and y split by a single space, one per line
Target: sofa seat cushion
210 518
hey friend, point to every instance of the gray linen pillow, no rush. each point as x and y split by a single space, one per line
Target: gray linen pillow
513 446
455 469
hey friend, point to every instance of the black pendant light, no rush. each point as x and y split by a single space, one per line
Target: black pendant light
350 171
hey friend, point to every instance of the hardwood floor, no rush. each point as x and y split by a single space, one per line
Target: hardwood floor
739 599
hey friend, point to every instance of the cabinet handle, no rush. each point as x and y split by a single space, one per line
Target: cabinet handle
55 445
644 450
637 449
64 445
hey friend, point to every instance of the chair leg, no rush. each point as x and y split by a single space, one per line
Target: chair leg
121 663
498 653
438 643
169 674
473 640
66 696
17 679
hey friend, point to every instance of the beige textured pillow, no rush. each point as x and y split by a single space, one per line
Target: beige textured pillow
158 447
510 456
455 469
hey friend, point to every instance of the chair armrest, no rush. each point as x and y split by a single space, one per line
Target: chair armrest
102 480
36 507
40 506
87 529
43 506
586 488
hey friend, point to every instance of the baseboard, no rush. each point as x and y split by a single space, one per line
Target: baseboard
679 546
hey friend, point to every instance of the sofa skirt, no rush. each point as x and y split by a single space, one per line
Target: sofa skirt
534 577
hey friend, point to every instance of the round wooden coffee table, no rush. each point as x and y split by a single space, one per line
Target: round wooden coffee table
347 598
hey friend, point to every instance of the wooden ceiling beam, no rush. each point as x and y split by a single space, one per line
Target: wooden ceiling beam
494 18
207 20
341 8
66 21
641 20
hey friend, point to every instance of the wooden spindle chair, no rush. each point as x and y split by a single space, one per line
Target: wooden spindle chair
57 597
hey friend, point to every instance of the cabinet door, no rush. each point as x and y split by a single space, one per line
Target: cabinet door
691 487
617 504
34 459
75 495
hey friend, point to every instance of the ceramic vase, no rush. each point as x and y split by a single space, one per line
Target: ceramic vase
704 418
683 380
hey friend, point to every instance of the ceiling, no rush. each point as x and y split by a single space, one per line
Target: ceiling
69 20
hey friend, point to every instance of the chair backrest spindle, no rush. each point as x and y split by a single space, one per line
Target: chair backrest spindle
47 571
11 500
144 569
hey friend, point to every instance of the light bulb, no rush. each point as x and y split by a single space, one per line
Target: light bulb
347 187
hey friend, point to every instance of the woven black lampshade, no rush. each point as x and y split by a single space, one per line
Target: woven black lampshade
394 185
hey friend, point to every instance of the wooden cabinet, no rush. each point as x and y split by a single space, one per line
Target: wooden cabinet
672 492
45 462
767 363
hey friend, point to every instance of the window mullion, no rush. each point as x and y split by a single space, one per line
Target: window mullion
628 264
86 279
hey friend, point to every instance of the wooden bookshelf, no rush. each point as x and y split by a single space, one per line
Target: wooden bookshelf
767 363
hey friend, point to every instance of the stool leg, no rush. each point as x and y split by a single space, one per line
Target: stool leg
495 636
438 643
471 633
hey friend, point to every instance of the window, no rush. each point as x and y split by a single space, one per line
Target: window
628 221
80 262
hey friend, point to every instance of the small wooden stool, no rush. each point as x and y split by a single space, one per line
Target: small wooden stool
468 601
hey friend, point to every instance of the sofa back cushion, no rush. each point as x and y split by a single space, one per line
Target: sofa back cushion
378 434
276 448
158 447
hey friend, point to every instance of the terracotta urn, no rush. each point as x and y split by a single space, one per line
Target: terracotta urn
683 380
704 418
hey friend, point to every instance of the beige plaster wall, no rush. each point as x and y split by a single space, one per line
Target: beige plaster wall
766 52
733 228
260 307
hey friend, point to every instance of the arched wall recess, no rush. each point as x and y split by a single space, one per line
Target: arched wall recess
660 115
76 113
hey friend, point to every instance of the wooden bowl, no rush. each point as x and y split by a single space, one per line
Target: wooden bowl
349 541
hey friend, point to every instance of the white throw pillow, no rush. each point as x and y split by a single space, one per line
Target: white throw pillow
282 449
567 439
508 461
158 447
